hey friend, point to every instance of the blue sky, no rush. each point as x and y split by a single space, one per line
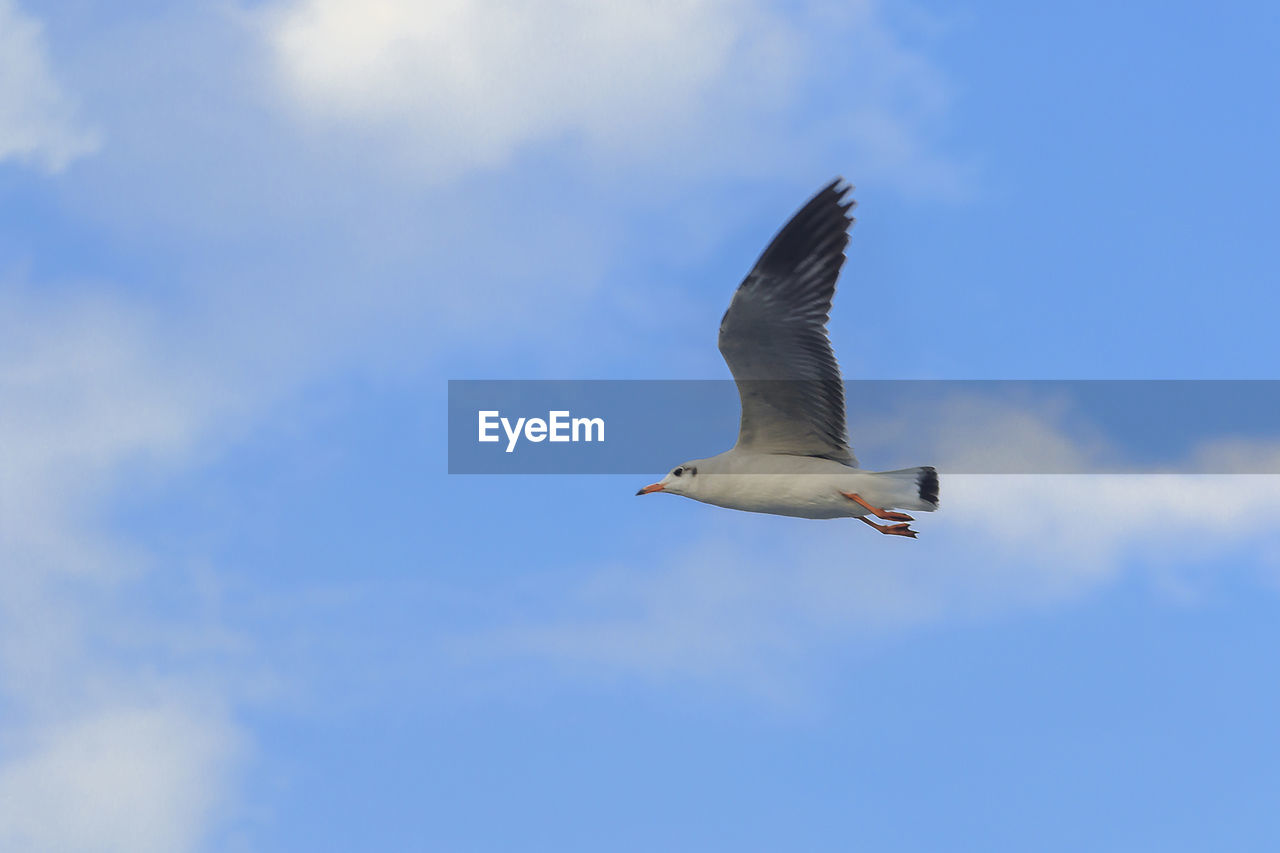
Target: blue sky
245 245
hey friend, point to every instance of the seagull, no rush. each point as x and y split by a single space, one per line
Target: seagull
792 456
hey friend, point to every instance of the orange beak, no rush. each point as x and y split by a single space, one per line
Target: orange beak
656 487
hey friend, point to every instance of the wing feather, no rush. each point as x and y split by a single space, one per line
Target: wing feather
774 336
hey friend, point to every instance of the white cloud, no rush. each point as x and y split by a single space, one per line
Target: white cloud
759 602
471 81
130 779
87 386
719 85
90 389
38 121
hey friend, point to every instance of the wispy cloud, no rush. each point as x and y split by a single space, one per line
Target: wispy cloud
129 778
38 118
99 753
761 602
720 86
88 386
468 83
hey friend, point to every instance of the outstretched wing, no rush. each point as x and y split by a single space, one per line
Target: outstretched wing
774 336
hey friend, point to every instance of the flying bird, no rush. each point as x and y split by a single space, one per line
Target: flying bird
793 456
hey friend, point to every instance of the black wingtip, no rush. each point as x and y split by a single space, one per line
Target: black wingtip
928 483
821 225
838 192
840 189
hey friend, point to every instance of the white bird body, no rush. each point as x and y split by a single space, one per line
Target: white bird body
798 486
792 456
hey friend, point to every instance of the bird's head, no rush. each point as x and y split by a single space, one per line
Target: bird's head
682 480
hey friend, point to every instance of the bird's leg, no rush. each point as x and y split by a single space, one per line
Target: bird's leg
890 529
887 515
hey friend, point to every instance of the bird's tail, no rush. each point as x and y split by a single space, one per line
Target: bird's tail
909 488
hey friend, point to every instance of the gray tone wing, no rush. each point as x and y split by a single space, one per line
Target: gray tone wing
774 336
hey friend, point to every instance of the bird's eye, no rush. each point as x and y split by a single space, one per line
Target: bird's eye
693 472
678 471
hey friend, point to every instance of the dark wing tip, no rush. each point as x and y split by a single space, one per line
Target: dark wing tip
840 190
928 483
821 224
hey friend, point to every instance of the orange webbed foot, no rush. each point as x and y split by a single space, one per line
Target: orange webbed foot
886 514
890 529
